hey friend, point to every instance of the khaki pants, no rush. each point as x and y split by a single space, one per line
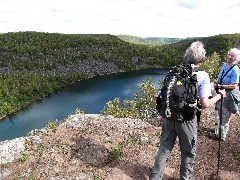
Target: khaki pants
226 118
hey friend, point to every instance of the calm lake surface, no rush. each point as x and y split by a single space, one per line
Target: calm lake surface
88 95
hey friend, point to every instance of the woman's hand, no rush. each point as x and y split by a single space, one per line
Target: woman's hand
220 86
223 92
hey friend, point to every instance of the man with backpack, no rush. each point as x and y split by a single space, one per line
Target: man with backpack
180 124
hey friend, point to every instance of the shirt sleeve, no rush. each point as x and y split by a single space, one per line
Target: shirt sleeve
235 75
204 87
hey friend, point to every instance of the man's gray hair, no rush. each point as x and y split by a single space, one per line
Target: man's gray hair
195 53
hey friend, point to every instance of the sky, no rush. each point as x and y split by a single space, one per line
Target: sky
142 18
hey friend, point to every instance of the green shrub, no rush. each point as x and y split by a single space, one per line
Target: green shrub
212 66
23 158
116 152
52 126
237 157
142 106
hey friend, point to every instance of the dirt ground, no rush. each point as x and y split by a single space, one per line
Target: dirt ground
101 147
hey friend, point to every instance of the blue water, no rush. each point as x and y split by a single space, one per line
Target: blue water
88 95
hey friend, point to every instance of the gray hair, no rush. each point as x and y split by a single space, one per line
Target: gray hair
236 53
195 53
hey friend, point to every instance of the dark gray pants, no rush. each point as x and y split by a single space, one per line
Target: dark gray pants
187 134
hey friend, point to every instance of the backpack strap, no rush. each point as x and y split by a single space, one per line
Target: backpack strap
168 110
197 106
223 75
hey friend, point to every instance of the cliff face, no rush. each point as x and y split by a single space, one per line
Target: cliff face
104 147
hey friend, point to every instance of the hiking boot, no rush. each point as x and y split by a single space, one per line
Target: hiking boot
215 137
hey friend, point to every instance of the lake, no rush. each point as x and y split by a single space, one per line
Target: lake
88 95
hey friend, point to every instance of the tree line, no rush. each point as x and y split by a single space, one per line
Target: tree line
31 63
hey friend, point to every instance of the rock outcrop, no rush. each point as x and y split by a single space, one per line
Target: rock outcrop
103 147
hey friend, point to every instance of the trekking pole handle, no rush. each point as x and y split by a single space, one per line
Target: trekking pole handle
220 94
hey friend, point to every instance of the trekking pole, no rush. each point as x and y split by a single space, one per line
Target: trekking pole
216 124
219 134
216 121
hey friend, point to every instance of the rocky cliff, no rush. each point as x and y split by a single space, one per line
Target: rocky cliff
104 147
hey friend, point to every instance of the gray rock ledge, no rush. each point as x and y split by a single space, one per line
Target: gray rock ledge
11 150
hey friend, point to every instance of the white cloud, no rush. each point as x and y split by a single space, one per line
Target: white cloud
155 18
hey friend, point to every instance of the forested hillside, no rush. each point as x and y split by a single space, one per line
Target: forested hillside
28 50
33 64
154 41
